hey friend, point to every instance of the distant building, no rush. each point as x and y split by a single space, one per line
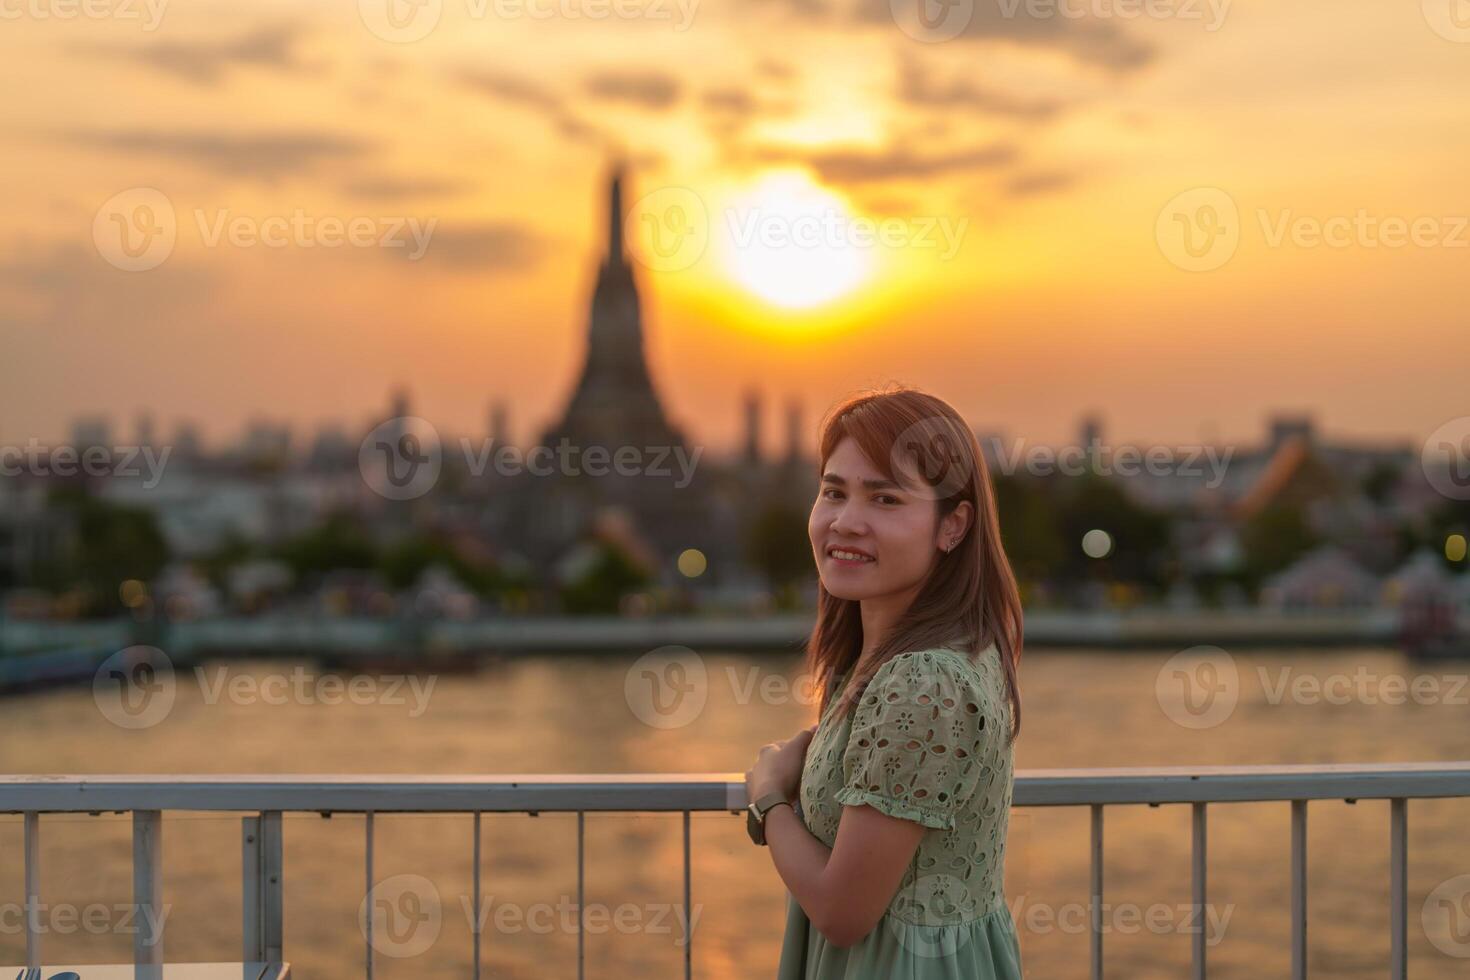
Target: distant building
1324 578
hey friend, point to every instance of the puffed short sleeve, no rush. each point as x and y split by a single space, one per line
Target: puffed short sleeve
914 749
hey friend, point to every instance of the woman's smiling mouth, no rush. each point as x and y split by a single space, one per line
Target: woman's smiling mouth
849 556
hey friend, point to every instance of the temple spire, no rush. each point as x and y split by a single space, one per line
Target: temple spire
615 217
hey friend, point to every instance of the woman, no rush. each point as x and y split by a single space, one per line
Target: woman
894 861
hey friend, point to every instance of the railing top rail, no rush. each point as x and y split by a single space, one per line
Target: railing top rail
697 791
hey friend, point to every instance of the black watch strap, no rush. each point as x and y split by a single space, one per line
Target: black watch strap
755 823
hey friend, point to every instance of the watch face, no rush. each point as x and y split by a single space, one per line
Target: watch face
753 825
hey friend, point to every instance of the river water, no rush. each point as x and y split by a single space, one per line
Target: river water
584 714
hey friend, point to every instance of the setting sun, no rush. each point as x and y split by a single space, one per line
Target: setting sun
794 244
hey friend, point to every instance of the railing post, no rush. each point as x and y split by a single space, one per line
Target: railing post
1200 868
33 889
1298 890
1398 846
148 887
688 910
475 925
1097 891
581 883
262 888
367 932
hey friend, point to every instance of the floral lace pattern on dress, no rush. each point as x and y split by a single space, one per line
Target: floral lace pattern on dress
927 742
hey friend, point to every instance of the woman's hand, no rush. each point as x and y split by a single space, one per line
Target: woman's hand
778 767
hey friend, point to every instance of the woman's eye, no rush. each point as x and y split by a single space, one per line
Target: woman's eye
887 498
830 490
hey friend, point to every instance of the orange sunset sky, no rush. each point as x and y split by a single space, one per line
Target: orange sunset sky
1084 158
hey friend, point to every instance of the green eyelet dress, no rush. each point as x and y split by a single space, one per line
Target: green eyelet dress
927 742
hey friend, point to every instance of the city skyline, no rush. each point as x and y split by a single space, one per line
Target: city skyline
1055 152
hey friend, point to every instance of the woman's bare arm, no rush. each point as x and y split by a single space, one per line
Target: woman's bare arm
845 890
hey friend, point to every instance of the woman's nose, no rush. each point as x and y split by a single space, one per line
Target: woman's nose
847 520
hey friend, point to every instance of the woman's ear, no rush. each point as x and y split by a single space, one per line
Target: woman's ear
956 524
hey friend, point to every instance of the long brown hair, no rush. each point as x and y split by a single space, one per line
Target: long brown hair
970 599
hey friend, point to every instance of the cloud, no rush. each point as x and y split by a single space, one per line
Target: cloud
896 163
730 101
267 155
484 248
1089 41
1098 43
520 92
729 111
646 89
72 288
1037 182
917 88
384 188
204 62
774 69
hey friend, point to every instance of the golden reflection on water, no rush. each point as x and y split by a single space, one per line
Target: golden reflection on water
570 714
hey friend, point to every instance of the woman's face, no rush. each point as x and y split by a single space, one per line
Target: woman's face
858 510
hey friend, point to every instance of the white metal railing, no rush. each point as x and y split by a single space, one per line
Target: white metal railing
267 797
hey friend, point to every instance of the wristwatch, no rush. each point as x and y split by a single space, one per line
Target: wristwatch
755 816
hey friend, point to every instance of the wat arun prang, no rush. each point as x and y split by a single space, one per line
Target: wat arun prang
669 505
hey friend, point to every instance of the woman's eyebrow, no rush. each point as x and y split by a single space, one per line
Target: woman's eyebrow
870 484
